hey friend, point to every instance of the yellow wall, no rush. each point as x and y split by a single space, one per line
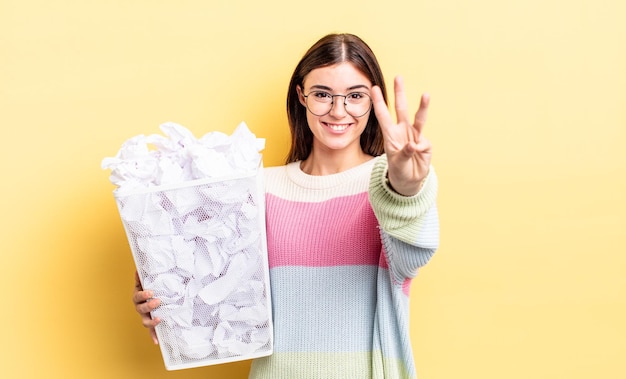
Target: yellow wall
528 121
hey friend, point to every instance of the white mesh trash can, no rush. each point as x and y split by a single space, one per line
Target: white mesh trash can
201 247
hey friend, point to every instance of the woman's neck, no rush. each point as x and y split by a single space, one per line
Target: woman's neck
332 162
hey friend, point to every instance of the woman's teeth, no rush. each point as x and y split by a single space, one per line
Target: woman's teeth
338 127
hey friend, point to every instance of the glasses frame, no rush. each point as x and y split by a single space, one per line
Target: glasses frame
332 102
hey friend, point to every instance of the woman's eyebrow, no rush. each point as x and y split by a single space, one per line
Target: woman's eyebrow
358 86
321 87
326 88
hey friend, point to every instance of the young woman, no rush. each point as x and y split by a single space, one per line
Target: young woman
347 226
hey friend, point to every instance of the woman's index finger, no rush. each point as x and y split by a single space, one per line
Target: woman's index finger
380 107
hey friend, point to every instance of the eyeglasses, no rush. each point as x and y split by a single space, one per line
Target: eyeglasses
320 103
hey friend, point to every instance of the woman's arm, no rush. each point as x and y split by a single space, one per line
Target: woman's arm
409 225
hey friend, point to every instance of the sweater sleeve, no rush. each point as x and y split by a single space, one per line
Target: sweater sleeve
409 224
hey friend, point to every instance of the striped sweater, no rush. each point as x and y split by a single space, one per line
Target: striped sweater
343 249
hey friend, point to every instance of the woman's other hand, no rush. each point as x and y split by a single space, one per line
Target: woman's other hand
144 304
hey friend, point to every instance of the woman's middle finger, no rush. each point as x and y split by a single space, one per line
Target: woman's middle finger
147 306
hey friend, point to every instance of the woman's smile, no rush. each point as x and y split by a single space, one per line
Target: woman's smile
337 127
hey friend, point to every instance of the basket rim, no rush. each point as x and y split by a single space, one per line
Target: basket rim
119 192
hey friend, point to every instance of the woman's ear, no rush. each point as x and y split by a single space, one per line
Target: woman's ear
300 95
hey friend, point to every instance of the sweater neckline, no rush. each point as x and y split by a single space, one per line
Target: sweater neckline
319 182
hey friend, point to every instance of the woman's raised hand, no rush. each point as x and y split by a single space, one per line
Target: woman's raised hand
144 304
408 152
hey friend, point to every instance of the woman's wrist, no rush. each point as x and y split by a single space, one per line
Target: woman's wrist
408 190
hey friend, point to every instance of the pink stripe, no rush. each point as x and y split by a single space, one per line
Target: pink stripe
406 286
340 231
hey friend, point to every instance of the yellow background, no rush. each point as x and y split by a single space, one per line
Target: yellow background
527 118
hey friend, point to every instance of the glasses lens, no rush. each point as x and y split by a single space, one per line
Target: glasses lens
320 103
358 103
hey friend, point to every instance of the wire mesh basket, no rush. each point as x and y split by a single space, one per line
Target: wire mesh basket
201 248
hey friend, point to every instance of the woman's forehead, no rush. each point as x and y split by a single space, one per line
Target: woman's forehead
340 76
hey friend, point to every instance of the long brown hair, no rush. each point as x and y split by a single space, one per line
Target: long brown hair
330 50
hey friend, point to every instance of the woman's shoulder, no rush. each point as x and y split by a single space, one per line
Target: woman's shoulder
276 175
275 170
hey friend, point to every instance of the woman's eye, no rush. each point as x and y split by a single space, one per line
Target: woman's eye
322 95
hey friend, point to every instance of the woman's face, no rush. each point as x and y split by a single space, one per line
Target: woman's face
338 129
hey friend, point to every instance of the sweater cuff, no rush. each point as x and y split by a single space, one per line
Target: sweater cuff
400 216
